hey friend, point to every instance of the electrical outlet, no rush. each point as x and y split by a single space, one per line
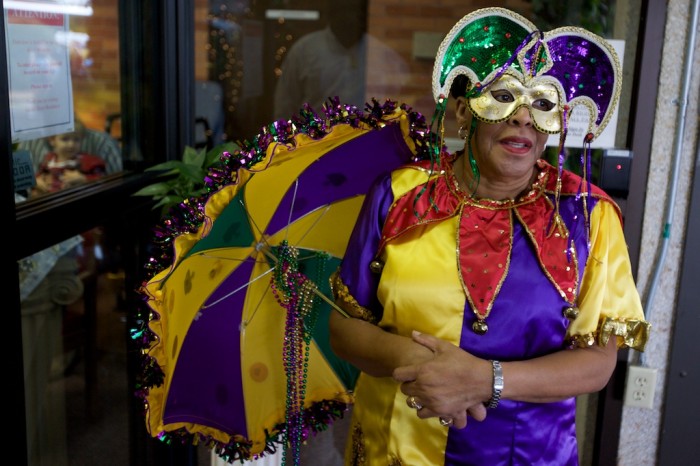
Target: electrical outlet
641 383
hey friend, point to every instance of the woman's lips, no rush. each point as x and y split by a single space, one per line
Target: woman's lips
517 145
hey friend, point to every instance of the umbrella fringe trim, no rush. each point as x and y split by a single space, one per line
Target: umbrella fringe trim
317 418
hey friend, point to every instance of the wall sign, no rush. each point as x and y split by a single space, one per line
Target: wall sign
41 94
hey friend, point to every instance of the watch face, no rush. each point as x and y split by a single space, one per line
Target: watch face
497 385
497 376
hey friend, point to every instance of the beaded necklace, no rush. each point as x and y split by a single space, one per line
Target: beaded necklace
296 293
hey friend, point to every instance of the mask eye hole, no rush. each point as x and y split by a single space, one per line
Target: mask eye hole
543 104
502 96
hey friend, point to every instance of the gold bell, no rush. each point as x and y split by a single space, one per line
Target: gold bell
480 327
376 266
571 312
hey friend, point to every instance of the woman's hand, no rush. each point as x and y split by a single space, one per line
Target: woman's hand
455 381
372 349
451 385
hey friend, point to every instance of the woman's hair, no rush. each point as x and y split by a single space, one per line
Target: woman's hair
459 86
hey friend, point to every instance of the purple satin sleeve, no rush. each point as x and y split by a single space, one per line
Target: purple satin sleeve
363 244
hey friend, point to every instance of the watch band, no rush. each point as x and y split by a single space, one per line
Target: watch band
497 384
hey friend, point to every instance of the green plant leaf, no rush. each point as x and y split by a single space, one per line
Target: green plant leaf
155 190
193 158
186 176
193 173
198 192
214 155
172 165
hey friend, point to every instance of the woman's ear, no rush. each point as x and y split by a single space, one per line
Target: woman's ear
462 113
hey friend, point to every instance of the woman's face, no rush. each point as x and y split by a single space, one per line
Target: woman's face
505 151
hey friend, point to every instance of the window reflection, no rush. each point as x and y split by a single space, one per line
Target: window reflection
78 42
49 281
73 343
269 58
70 159
341 60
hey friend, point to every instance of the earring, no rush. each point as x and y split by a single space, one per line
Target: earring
462 133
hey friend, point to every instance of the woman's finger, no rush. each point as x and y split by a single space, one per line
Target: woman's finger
478 412
426 340
405 374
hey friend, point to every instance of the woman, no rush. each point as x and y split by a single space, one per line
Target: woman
532 308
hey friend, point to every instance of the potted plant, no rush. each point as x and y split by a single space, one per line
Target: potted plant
183 179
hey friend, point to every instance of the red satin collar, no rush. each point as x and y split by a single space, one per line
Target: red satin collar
485 238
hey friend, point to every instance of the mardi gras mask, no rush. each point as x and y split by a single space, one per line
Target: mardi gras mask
496 47
510 64
508 94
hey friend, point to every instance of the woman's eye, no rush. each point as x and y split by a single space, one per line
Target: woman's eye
502 96
543 104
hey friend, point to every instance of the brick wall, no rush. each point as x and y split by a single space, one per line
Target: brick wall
96 82
395 21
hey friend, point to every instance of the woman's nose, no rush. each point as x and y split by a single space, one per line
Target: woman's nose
521 117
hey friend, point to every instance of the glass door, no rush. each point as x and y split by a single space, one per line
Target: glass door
64 92
256 61
189 72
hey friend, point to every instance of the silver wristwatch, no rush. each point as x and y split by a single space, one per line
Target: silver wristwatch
497 384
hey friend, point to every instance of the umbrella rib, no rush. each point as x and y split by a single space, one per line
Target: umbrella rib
257 228
313 225
242 287
289 218
291 208
265 250
252 316
225 258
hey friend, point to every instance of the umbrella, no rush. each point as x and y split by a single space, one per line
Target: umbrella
237 352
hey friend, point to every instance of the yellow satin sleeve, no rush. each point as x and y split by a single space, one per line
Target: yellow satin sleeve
609 303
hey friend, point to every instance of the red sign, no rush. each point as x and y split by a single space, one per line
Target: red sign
35 17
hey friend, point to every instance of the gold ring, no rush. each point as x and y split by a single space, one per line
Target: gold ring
413 403
446 421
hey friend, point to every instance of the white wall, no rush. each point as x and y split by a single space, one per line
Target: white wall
639 434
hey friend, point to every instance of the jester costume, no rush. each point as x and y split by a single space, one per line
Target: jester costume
511 279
